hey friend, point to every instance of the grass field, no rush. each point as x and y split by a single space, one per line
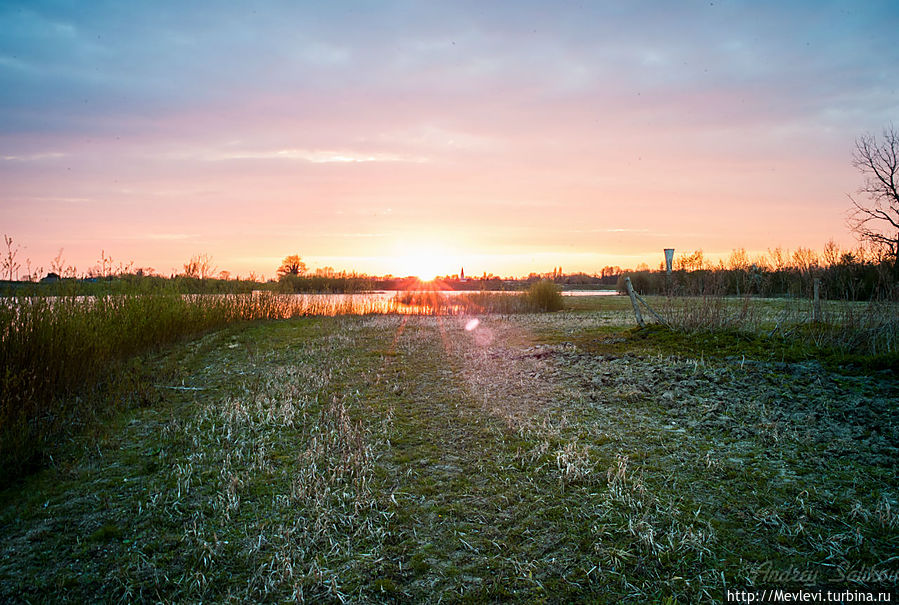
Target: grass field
533 457
64 360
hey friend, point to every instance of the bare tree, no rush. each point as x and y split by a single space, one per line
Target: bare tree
690 262
200 266
738 260
876 218
832 253
805 260
292 265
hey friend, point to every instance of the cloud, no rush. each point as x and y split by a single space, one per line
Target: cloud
169 236
609 230
153 236
364 235
33 157
312 156
108 67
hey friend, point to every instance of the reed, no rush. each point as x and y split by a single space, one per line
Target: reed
545 296
58 353
435 302
55 352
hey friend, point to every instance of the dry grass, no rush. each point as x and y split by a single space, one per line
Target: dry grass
844 327
56 350
388 458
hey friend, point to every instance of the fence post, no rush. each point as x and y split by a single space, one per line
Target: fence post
816 307
633 295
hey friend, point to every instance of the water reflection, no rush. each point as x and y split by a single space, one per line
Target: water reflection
415 302
264 304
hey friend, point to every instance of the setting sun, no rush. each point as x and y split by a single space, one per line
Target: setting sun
424 267
426 262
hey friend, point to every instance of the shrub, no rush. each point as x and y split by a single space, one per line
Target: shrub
545 296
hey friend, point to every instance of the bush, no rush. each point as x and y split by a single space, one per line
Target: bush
545 296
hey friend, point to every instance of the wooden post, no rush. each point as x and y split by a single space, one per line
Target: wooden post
816 307
633 295
650 309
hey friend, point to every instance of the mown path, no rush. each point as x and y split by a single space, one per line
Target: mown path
474 516
388 459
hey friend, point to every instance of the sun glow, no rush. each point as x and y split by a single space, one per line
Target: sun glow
423 268
426 262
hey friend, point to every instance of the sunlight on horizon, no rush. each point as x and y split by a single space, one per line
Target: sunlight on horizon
475 139
425 258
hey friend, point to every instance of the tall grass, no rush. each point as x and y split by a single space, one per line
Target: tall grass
845 328
710 313
56 351
542 296
866 329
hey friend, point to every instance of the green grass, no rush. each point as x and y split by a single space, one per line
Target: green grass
736 346
68 361
852 336
393 458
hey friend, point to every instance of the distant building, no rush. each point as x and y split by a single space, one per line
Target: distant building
462 275
50 278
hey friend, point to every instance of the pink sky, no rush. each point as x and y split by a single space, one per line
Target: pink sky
410 140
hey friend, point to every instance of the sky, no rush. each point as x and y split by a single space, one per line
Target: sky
420 137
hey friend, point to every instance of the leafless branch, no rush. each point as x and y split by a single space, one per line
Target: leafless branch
876 219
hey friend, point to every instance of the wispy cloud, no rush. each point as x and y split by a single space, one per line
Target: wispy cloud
169 236
363 235
609 230
154 237
312 156
33 157
63 199
322 157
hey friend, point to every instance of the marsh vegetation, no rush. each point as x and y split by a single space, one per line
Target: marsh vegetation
385 457
66 359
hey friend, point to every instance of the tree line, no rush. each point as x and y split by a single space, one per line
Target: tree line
863 273
870 271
